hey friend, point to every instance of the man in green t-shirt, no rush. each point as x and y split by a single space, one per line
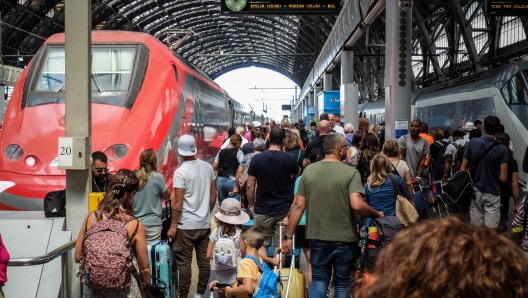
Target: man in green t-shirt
331 192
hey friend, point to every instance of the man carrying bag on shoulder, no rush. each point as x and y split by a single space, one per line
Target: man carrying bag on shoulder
487 174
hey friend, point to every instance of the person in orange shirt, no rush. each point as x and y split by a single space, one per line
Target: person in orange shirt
424 133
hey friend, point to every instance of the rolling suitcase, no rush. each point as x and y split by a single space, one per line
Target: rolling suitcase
163 266
293 280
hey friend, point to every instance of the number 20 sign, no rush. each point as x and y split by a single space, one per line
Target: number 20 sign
65 152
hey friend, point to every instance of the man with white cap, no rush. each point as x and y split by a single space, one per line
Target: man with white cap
193 200
469 126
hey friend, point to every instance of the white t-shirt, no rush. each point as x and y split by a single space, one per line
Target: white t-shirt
195 177
226 143
451 149
236 240
240 157
339 129
401 167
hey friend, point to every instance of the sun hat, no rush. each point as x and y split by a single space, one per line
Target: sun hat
187 145
231 212
469 126
256 123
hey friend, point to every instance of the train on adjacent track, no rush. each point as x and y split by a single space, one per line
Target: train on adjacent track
143 96
501 91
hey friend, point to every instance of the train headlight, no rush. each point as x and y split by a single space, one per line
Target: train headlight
116 152
13 152
31 161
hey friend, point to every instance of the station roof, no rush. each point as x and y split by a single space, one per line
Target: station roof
195 29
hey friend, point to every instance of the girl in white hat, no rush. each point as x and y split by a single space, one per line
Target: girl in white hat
224 244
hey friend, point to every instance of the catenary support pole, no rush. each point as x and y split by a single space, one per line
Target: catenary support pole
78 23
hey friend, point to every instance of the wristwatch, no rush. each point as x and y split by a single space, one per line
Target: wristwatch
286 237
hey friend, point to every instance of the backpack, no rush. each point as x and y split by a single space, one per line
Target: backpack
242 181
363 166
371 244
55 203
439 163
107 266
459 189
225 252
269 285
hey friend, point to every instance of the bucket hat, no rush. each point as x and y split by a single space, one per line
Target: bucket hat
469 126
231 212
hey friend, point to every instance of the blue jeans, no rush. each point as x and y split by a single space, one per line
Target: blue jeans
325 255
224 187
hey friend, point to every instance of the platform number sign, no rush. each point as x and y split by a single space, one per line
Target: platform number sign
401 127
65 152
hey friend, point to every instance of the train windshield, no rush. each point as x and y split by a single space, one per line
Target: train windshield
515 94
115 72
111 69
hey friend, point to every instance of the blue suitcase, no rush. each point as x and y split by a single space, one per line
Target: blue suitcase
163 266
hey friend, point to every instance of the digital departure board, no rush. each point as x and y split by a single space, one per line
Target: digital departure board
507 7
280 6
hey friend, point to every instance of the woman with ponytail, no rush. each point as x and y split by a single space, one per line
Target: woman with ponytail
152 189
116 205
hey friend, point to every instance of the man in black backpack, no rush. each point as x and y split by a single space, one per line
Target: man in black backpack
451 153
485 208
315 146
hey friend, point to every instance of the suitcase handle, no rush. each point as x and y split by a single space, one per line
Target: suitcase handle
292 263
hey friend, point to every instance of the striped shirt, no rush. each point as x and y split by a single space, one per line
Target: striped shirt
518 221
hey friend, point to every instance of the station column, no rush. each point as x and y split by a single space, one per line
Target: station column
327 81
398 67
78 25
317 89
348 90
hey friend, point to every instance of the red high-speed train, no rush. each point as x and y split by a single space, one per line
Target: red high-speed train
143 96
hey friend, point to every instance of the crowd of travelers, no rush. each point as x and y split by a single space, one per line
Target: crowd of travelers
339 182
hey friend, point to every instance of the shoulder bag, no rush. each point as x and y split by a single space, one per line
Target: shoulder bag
405 211
459 189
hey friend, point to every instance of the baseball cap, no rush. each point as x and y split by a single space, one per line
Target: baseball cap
187 145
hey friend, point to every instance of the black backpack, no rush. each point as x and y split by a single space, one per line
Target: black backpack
439 163
388 227
55 203
459 189
363 166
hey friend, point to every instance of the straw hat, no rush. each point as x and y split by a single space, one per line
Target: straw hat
231 212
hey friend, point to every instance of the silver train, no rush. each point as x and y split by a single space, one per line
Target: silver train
501 91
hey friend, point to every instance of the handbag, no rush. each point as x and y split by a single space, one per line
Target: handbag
518 233
405 211
154 290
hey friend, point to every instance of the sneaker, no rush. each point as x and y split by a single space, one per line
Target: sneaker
198 295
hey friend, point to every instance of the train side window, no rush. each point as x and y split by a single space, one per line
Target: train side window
175 72
518 90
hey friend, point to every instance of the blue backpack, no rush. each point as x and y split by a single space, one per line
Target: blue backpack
269 285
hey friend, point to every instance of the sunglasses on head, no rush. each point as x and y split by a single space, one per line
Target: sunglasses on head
100 170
